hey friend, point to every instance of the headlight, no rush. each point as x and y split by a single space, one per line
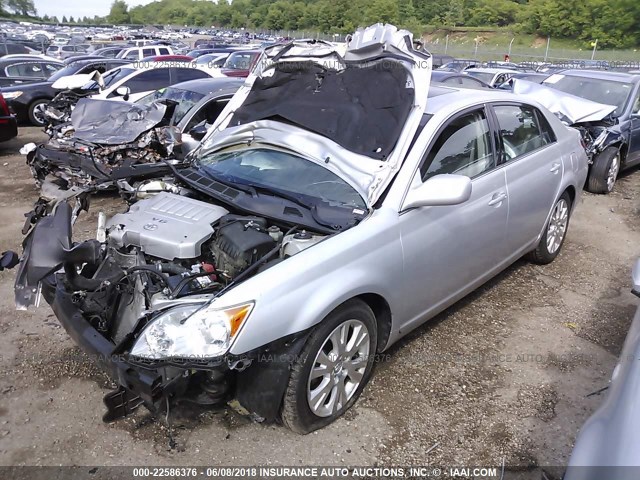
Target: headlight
11 95
189 331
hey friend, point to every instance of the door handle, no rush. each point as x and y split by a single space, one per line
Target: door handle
555 167
497 198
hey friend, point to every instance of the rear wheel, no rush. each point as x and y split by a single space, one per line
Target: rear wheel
332 369
554 233
36 112
604 171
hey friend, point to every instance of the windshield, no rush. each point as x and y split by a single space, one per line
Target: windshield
63 72
282 172
186 99
486 77
608 92
110 78
240 61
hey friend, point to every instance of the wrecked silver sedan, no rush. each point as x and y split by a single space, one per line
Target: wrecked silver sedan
337 204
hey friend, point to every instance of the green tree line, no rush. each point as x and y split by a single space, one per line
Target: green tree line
615 23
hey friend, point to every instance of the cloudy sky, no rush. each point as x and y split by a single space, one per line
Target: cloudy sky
78 8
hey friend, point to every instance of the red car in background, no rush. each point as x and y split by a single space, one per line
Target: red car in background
240 63
8 122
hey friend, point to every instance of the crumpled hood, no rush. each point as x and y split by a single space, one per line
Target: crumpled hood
359 111
569 108
71 82
111 123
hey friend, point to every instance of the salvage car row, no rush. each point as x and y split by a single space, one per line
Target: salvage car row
306 231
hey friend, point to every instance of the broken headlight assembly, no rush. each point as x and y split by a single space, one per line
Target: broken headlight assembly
191 332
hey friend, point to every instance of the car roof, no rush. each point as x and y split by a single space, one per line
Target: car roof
449 100
602 75
206 86
490 70
88 61
6 61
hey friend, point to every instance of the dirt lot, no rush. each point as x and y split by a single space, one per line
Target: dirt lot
502 376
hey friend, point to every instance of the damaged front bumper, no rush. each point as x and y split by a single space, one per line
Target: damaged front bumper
257 379
258 385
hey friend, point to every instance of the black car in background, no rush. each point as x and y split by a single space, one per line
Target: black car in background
28 100
27 69
615 144
8 123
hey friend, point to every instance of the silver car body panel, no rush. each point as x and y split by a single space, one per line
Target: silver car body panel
372 176
418 261
609 438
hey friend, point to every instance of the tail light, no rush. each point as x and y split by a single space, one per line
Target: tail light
4 108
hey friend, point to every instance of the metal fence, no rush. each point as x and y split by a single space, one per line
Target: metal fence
546 52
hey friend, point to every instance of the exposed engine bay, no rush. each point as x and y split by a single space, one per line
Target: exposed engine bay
166 247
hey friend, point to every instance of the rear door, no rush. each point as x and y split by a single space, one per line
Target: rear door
23 72
533 163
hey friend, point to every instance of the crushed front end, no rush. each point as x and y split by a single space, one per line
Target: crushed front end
149 270
105 142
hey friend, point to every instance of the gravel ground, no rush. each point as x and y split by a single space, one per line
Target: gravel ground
503 376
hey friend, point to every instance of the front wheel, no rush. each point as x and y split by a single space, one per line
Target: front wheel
36 112
604 171
332 369
554 233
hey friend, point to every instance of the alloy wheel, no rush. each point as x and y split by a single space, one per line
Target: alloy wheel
557 226
612 174
338 368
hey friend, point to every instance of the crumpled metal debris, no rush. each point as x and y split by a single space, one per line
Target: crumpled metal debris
104 142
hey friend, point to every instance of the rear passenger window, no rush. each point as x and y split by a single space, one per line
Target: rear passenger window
163 51
462 148
522 129
186 74
149 80
148 52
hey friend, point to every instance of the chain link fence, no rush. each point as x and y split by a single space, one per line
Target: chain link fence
544 52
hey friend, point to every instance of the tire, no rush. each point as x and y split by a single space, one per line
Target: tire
33 112
353 318
604 171
550 244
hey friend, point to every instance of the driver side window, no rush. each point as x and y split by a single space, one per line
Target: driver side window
462 148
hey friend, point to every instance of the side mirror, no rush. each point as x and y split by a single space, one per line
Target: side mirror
635 277
439 190
123 92
198 132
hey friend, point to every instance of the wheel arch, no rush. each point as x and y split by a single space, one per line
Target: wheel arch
382 311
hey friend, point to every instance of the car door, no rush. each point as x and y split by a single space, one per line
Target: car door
23 72
633 152
533 163
449 250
